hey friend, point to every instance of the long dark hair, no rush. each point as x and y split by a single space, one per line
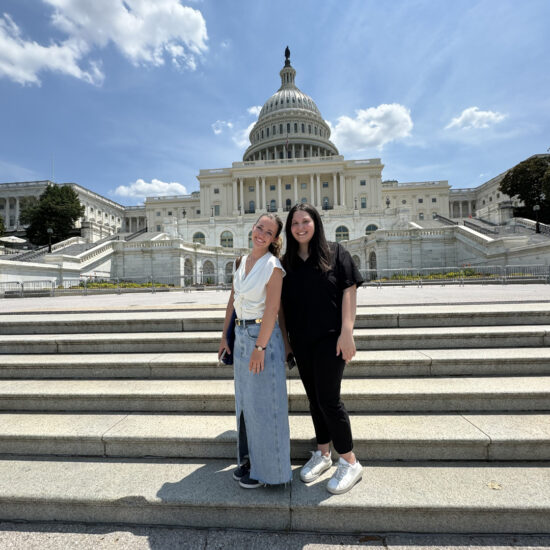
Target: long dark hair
277 244
318 247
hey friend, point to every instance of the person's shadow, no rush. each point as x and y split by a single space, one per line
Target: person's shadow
208 496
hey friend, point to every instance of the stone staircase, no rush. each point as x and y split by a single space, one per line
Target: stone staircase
125 417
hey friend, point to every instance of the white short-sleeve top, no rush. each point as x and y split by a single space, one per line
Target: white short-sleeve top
250 291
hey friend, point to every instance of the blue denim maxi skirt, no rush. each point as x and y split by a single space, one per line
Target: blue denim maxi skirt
261 404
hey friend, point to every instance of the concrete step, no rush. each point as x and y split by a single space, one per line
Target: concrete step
451 436
208 319
367 363
365 338
447 497
514 393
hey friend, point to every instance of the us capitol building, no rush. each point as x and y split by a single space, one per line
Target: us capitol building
384 224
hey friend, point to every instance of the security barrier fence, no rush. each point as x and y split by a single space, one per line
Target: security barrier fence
508 274
486 274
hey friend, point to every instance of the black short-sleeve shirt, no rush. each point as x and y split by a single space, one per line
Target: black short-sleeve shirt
312 299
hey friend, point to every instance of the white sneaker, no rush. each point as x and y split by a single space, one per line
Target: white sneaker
345 477
315 466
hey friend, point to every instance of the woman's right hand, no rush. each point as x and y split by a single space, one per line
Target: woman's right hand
223 346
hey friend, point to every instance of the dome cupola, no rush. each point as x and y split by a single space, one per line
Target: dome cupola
289 125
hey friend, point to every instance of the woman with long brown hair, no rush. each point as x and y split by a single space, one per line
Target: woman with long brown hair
319 302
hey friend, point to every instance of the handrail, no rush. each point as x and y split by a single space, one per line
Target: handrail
476 227
445 220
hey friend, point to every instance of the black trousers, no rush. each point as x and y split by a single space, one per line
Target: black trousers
321 371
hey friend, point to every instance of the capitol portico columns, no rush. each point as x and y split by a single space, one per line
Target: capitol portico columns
295 189
342 190
312 187
242 196
7 212
234 197
279 195
263 194
319 200
335 204
16 220
258 205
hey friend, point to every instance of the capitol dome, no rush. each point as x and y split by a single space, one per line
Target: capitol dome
290 125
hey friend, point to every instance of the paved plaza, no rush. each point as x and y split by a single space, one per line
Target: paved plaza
366 296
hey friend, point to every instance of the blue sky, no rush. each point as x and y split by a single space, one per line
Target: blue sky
132 98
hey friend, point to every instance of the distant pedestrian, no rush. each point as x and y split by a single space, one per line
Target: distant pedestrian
261 401
319 302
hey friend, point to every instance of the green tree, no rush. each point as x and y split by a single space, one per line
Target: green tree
530 181
2 227
58 208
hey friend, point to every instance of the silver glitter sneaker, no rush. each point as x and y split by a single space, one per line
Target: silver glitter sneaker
315 466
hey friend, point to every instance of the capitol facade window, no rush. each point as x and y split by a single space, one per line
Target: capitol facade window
226 239
342 233
371 228
199 238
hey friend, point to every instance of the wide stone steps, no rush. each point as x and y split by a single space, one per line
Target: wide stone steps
497 393
365 339
212 319
126 417
444 436
440 497
366 363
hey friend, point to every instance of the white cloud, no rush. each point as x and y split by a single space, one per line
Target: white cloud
219 126
255 110
472 117
373 127
141 189
146 33
21 60
240 138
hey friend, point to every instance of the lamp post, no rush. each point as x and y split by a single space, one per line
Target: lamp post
536 210
49 231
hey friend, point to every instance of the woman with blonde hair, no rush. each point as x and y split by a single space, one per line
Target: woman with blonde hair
261 404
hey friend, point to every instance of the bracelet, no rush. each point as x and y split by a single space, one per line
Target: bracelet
259 348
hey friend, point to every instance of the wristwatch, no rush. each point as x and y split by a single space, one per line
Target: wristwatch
260 348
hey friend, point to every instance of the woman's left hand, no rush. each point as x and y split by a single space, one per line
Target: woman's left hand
256 364
346 346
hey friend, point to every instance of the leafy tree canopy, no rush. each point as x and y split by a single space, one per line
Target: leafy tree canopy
2 227
57 208
530 181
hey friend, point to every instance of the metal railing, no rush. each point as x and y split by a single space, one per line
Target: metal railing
100 284
444 220
479 228
457 275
